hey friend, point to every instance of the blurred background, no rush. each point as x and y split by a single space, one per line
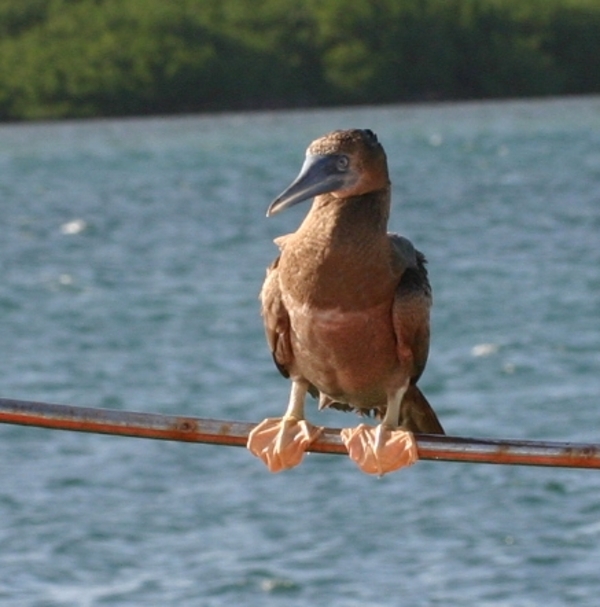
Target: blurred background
82 58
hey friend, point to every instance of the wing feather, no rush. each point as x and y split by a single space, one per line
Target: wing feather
412 303
276 320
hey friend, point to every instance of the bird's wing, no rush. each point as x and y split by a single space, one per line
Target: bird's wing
412 302
410 312
276 320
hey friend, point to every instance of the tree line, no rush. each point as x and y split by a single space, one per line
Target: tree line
80 58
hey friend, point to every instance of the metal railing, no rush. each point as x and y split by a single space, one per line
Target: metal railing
235 433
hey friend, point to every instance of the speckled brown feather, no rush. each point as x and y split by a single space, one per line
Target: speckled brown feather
346 305
276 320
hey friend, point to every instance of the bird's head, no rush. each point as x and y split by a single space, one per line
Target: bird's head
343 164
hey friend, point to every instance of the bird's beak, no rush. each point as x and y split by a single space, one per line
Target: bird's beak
318 175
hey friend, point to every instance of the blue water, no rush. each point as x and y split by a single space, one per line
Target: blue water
132 253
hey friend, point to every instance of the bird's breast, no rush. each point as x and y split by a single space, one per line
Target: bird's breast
345 353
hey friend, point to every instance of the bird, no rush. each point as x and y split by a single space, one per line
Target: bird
346 309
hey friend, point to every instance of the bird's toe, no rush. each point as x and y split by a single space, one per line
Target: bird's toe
379 450
281 442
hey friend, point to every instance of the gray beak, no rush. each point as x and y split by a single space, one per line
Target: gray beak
318 175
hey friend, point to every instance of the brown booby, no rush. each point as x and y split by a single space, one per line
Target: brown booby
346 311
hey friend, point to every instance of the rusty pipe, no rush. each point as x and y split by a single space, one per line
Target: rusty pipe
235 433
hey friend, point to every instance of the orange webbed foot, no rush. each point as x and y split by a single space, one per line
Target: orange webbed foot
280 442
379 450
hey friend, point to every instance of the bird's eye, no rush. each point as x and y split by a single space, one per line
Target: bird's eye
342 163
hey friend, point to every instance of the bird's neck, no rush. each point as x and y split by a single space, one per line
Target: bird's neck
343 220
340 255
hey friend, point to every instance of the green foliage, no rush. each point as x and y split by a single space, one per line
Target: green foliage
63 58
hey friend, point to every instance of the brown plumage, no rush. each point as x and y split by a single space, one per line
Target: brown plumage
346 310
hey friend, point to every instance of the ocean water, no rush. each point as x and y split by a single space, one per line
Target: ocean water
131 256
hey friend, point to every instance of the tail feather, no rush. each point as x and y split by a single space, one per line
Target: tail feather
417 415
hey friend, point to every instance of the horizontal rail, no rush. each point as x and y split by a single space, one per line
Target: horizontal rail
235 433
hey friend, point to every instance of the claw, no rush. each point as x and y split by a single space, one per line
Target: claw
380 450
280 442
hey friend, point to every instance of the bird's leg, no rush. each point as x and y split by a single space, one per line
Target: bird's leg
281 442
386 447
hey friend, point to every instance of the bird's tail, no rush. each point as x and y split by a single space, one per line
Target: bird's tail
417 415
